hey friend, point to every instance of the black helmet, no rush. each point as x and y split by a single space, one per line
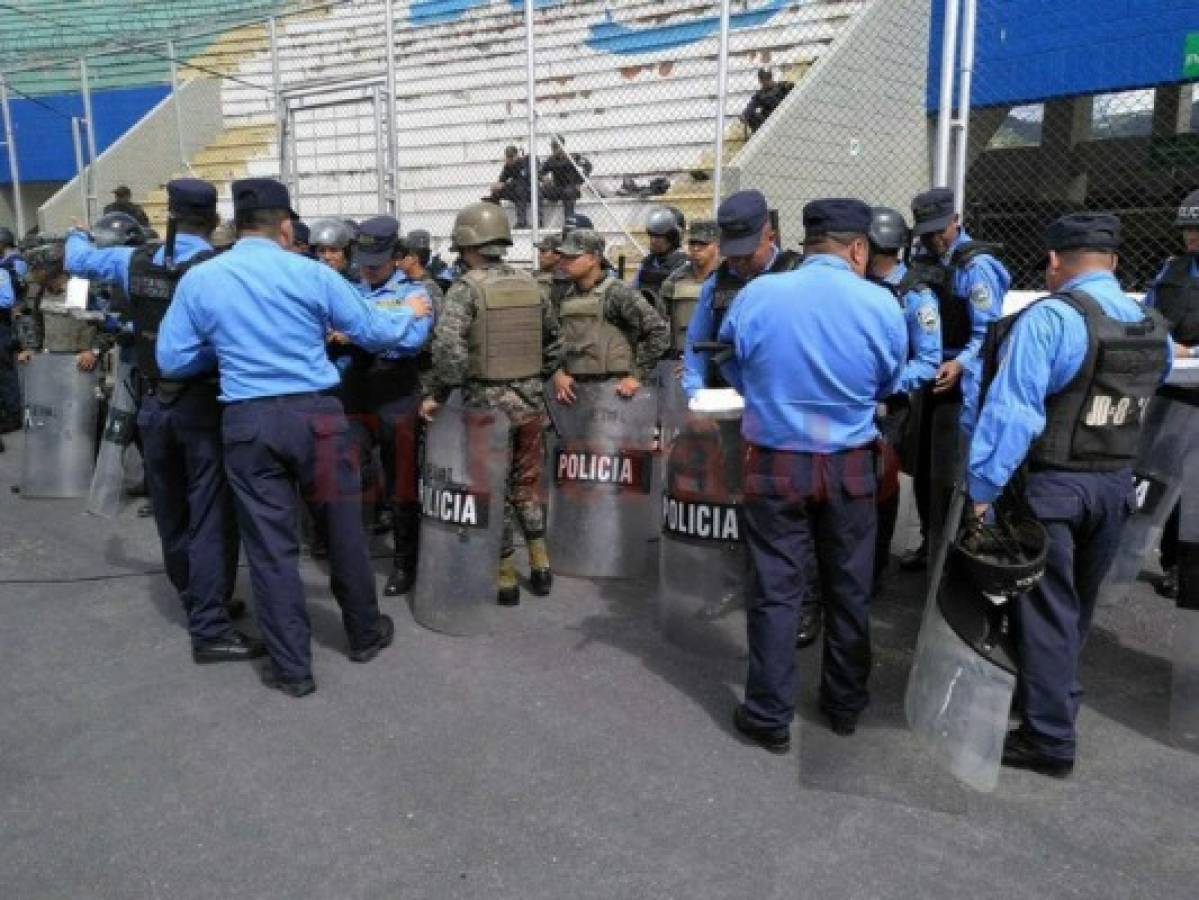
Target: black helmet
118 229
1003 559
1188 211
7 238
888 229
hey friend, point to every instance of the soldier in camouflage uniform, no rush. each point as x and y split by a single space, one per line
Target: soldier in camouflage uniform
609 330
680 290
500 368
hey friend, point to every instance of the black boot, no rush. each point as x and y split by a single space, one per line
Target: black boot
915 560
406 529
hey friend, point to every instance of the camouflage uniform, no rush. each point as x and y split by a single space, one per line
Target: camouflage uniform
626 308
521 400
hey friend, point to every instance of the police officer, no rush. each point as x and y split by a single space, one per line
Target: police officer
814 350
665 229
970 284
500 368
889 236
681 289
394 393
416 249
262 314
560 179
330 241
747 242
609 331
13 271
513 185
1058 431
124 204
179 421
1175 294
765 99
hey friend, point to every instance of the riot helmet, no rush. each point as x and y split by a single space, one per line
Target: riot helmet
118 229
1002 559
330 233
665 222
483 226
1188 211
888 230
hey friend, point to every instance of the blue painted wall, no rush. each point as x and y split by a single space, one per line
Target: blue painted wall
1033 50
45 148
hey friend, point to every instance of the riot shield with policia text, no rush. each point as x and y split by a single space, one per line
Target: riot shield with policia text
601 515
464 476
104 498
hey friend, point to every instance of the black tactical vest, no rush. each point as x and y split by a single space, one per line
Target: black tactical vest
726 289
956 324
1094 423
650 278
151 289
1177 298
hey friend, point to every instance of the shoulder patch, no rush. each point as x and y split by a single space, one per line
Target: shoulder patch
980 296
927 318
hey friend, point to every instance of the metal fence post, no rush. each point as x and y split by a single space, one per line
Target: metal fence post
176 102
13 166
90 131
949 52
722 91
78 139
531 103
276 93
962 125
393 163
380 168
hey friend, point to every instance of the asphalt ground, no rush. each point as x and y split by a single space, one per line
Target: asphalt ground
574 755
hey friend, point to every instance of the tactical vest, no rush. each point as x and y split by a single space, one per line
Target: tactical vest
680 296
727 287
151 289
651 279
956 323
1094 423
505 336
593 345
1177 298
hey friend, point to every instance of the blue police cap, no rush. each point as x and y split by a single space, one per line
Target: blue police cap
191 195
302 232
845 215
741 218
933 210
377 241
1084 231
260 193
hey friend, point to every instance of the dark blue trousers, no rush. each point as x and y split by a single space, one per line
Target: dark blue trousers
280 451
398 429
192 503
1084 513
808 513
10 386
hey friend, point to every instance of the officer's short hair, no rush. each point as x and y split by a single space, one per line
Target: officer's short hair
844 238
267 220
423 254
197 222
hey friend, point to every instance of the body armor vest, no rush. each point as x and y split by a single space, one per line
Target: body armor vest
151 289
726 289
593 345
1094 423
650 278
505 336
680 296
956 323
1177 298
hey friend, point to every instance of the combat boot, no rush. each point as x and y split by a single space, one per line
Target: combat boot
406 524
508 593
541 577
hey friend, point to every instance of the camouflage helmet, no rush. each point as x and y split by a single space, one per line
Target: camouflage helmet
330 233
483 226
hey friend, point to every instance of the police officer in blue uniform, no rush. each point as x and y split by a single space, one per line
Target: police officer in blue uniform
814 351
1175 294
889 237
13 271
665 229
749 248
394 391
1058 430
970 284
262 314
180 421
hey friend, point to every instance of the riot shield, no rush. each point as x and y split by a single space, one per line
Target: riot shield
1184 690
601 516
960 688
60 427
109 477
1171 427
671 399
946 464
703 570
464 476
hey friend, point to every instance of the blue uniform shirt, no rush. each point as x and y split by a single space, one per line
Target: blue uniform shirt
1044 352
18 263
263 314
388 296
922 313
111 264
700 328
815 349
7 295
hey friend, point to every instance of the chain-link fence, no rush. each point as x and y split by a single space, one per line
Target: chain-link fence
1038 152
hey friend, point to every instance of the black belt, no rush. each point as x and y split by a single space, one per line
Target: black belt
289 398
